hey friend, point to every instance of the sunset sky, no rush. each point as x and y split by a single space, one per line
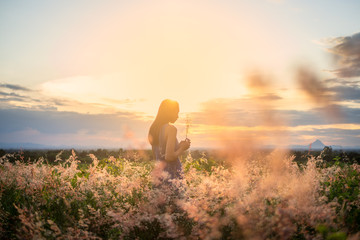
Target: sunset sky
93 73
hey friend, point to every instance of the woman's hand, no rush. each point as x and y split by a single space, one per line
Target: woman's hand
185 144
172 151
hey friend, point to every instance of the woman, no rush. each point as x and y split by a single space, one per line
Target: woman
162 137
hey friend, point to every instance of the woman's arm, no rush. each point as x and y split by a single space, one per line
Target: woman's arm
153 152
171 153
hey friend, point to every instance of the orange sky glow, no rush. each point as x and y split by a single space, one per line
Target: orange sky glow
233 67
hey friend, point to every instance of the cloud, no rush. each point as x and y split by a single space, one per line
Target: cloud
223 122
14 87
36 117
313 86
344 89
70 128
343 82
11 99
8 93
246 112
237 112
329 135
347 93
44 99
62 122
5 94
317 92
98 94
312 117
346 51
28 98
243 119
246 122
269 97
80 139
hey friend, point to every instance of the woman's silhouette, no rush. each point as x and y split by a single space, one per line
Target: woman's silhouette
162 137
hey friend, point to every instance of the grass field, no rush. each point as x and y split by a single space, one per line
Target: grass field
269 195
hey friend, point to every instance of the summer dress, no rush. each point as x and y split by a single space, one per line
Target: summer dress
172 167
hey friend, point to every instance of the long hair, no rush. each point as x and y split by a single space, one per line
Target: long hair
165 115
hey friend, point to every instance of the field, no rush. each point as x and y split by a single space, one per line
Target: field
119 195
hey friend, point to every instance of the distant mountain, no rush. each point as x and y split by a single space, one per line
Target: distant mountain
35 146
338 147
24 146
318 145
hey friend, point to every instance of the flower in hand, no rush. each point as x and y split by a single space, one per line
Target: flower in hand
185 144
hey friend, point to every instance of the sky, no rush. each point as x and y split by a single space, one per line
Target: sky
93 73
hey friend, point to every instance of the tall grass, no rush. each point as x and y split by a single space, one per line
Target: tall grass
264 197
